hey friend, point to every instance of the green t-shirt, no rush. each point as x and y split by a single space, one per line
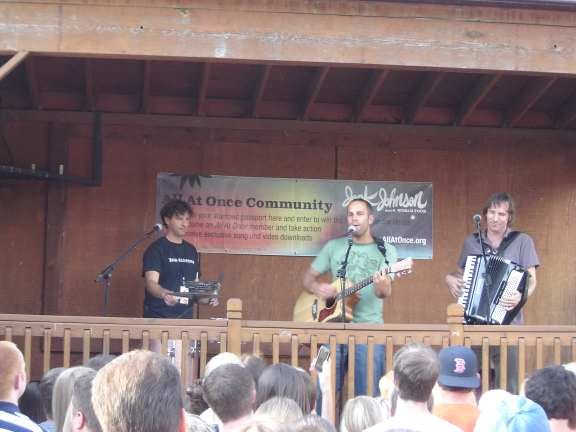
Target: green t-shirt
364 260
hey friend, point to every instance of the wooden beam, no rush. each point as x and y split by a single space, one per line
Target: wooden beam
55 222
145 97
313 90
527 99
421 97
202 89
481 88
566 115
369 92
89 98
11 64
32 80
262 82
182 121
387 35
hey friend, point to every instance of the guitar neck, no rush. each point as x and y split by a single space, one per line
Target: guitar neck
356 287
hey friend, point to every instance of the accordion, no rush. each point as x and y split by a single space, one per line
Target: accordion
485 282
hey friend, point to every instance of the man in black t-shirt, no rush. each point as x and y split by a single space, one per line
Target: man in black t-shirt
168 262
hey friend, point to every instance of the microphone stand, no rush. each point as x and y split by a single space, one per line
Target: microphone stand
481 243
105 275
488 283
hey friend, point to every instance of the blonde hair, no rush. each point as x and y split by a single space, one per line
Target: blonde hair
62 394
140 391
280 409
11 364
362 412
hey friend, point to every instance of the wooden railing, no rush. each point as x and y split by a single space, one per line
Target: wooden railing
50 341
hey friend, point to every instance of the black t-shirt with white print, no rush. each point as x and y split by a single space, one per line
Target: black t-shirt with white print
174 262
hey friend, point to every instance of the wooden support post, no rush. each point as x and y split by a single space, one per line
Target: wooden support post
54 244
455 314
234 315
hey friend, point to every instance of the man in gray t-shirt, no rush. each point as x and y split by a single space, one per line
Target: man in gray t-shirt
518 247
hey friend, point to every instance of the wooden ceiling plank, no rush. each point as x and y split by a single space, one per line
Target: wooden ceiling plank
202 90
89 98
145 98
11 64
369 93
527 100
421 97
32 79
262 82
566 115
481 88
313 90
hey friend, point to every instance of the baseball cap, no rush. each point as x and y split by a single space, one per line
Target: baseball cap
458 367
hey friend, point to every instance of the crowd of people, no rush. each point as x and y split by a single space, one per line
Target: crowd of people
141 391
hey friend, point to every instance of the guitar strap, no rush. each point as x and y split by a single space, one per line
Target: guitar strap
382 248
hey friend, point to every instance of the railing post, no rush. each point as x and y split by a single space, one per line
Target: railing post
234 332
455 315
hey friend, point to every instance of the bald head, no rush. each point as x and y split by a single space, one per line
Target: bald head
12 372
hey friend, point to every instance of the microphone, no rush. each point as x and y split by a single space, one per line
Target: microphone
351 229
156 228
477 218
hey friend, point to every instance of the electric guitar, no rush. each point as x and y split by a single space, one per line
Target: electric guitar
309 308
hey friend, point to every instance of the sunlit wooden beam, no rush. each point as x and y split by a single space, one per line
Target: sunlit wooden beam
313 90
421 97
527 99
11 64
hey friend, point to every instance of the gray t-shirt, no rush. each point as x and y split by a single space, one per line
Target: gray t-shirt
521 251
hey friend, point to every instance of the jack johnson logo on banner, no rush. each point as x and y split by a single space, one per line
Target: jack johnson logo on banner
276 216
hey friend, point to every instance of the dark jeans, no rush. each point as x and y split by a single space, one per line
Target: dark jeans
360 372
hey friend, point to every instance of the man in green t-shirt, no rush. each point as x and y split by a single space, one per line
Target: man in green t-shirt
366 259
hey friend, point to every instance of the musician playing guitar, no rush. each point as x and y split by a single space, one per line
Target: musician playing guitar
366 258
500 239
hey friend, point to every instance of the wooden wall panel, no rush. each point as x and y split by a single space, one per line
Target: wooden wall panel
465 170
22 219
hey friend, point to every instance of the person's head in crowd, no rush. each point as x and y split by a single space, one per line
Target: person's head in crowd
512 414
570 367
62 393
99 361
386 385
313 423
219 360
281 379
416 370
255 365
195 403
195 424
46 388
12 373
139 391
554 389
82 417
280 409
362 412
492 398
458 369
229 391
30 403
